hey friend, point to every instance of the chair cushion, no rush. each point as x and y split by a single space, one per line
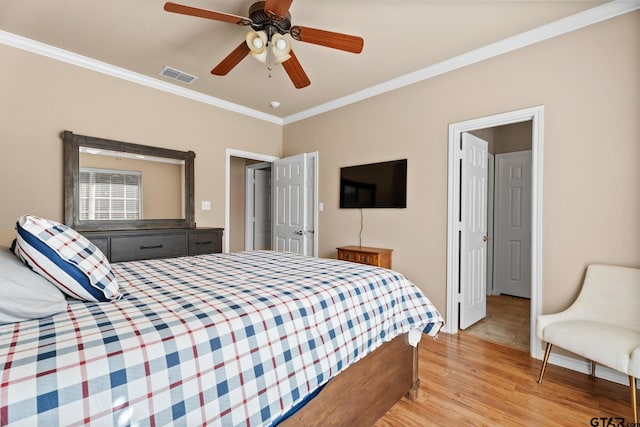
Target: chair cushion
606 344
634 363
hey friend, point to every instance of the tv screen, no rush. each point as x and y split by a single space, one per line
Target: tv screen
375 185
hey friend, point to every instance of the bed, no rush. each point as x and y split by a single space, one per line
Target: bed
250 338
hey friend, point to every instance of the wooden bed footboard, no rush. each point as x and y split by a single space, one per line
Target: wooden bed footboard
365 391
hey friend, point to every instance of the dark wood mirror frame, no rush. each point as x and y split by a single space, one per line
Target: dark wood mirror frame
72 144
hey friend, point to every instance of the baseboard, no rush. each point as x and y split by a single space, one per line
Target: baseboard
584 366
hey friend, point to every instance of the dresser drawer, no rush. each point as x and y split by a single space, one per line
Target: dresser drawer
205 241
101 243
127 248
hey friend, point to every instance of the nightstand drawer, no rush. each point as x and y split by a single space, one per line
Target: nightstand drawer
362 258
371 259
129 248
347 256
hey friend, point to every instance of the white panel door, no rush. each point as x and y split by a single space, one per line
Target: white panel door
262 210
289 177
512 270
473 239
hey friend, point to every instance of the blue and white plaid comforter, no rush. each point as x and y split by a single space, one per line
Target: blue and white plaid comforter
234 339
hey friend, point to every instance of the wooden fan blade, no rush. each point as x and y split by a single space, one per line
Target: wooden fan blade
339 41
233 59
294 69
208 14
279 8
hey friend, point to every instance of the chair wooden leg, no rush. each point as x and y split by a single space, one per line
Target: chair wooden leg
544 362
632 392
593 370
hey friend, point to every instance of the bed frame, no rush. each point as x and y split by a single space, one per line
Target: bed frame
365 391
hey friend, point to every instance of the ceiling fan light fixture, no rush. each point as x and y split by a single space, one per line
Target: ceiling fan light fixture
256 41
270 20
261 57
281 48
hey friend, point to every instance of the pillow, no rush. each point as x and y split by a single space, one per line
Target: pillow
24 294
66 258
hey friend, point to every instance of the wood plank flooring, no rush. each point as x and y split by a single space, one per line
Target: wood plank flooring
507 322
468 381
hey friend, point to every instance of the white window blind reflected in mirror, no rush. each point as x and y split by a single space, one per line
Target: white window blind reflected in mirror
110 194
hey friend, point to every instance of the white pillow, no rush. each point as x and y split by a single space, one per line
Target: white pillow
24 294
66 258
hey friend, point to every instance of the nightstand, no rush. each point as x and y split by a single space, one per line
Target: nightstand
378 257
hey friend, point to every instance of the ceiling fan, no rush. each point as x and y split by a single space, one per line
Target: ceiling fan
271 21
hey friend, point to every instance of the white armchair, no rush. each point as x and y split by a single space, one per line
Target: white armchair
602 325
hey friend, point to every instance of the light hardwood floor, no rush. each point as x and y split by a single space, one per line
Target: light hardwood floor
468 381
507 322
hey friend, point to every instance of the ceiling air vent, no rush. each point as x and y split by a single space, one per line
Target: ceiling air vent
174 74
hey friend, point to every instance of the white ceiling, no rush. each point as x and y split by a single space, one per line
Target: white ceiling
400 36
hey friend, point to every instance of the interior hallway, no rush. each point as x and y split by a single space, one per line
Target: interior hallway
507 322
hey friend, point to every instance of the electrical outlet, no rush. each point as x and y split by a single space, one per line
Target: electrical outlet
206 205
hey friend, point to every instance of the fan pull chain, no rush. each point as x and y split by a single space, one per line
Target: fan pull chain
269 58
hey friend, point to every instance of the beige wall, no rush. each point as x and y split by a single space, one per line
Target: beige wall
510 138
40 97
237 190
589 84
506 138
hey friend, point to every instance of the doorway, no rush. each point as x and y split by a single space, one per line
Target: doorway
454 293
285 195
234 221
257 229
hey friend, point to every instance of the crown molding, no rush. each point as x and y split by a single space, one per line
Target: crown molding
69 57
545 32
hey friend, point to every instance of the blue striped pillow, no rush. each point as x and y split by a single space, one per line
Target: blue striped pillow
66 258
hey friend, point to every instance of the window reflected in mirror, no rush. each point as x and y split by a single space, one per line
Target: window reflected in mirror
125 186
110 194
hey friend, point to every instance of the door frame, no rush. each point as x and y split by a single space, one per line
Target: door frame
230 152
490 223
536 116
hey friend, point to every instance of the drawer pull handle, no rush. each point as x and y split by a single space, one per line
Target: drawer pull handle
151 247
208 242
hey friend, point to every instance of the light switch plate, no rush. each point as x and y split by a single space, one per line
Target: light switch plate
206 205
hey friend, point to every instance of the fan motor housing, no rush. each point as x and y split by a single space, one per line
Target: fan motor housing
261 19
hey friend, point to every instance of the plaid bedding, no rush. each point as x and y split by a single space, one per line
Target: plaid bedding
224 339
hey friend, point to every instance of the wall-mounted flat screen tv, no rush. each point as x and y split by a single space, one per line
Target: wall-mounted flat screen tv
374 185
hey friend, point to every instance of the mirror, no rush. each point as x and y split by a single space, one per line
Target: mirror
113 185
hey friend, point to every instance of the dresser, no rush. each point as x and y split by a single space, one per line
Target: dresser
133 245
378 257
